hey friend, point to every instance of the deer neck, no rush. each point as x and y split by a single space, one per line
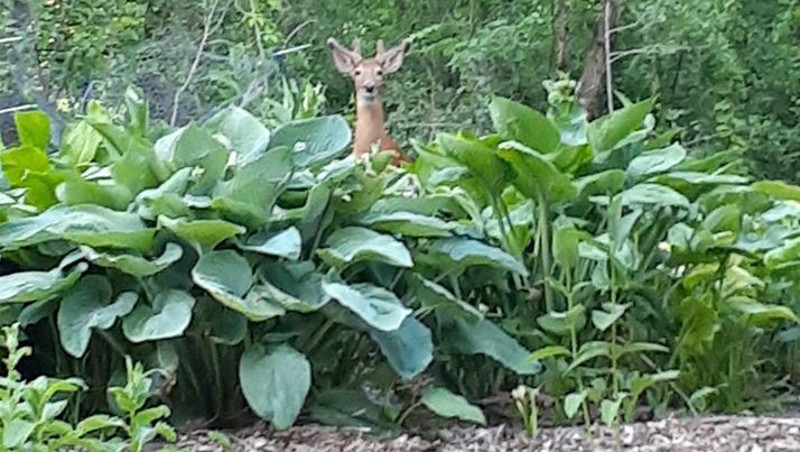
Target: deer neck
370 125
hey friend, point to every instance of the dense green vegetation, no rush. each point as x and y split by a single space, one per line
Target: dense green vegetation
228 242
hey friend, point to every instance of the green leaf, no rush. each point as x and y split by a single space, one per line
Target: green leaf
481 160
650 194
434 296
409 349
588 351
293 286
762 312
33 128
192 146
563 323
203 235
786 255
354 244
448 405
275 383
248 136
19 162
573 402
16 433
488 339
167 317
656 161
518 122
608 131
217 323
407 224
549 352
609 410
85 224
86 306
287 244
227 277
313 141
378 307
135 265
608 182
602 320
565 245
139 167
463 253
75 191
98 422
778 189
536 177
81 144
23 287
251 194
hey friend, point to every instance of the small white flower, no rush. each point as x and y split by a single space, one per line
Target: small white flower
197 172
665 246
233 159
519 393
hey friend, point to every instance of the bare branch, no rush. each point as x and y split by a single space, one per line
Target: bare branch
10 40
17 108
607 42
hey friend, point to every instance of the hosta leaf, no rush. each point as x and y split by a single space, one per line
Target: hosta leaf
787 254
762 312
313 141
446 404
192 146
519 122
166 199
86 306
293 286
218 323
75 191
608 182
167 317
203 235
778 189
407 224
536 177
464 253
653 194
248 136
275 382
139 167
33 128
286 243
656 161
22 287
563 323
434 296
353 244
135 265
227 277
488 339
482 161
606 132
378 307
85 224
409 349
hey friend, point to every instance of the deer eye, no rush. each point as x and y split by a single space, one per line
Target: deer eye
380 72
358 72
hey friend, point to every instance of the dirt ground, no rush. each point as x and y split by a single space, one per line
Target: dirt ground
719 434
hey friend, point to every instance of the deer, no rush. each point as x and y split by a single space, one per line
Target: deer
368 77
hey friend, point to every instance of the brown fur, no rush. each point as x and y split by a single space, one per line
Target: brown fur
368 78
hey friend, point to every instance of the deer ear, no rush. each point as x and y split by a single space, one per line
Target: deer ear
392 59
344 59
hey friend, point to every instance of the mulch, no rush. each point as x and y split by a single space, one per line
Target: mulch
711 433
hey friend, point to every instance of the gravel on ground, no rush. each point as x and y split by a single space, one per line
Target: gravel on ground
717 434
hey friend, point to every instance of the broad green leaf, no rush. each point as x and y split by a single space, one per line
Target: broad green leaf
313 141
250 195
23 287
227 277
275 382
166 199
203 235
518 122
608 131
139 167
488 339
656 161
192 146
248 136
293 286
409 349
463 253
609 409
86 306
286 243
218 323
563 323
573 402
549 352
778 189
786 255
588 351
682 179
137 111
168 316
609 182
603 319
19 162
82 142
482 161
536 177
98 422
762 312
448 405
434 296
75 191
33 128
407 224
653 194
85 224
376 306
133 264
565 245
354 244
16 433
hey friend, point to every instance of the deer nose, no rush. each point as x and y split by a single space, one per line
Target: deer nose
369 88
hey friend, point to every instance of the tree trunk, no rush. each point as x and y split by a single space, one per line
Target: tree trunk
594 69
561 35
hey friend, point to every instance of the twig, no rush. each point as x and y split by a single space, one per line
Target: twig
297 30
17 108
609 75
208 28
291 50
10 39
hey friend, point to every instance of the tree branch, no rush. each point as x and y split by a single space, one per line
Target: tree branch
596 64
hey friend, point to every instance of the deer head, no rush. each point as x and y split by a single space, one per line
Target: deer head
368 73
